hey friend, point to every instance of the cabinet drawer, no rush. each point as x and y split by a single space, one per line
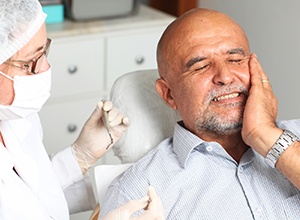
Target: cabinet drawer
129 53
77 65
62 122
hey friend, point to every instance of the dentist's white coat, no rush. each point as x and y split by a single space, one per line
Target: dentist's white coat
38 188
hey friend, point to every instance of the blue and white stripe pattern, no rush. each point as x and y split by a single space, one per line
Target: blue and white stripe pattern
199 180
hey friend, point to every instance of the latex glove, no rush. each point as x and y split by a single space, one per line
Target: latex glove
94 138
153 209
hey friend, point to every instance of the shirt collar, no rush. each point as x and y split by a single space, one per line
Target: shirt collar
185 142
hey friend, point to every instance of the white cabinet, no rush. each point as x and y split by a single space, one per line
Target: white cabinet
77 84
62 122
131 52
77 65
86 58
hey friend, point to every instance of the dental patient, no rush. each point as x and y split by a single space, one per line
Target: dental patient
228 158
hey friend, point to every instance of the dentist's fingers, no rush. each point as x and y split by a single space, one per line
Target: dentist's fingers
154 209
115 118
125 211
107 105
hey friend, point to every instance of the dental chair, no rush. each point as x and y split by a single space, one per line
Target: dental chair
151 121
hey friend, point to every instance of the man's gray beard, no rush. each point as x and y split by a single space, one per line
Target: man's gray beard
225 124
222 125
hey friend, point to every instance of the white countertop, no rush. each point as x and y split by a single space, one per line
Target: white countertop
145 16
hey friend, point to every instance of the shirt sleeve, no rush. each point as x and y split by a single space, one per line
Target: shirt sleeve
77 188
114 198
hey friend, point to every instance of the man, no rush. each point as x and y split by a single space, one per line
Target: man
220 162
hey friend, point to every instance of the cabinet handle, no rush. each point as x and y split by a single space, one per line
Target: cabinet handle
72 127
72 68
139 59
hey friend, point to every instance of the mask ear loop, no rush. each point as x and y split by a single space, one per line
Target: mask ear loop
8 77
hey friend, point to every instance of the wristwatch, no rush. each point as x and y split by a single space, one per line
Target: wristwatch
286 139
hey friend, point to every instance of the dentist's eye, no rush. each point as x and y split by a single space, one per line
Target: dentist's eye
26 66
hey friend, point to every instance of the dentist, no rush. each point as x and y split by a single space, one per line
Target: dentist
32 185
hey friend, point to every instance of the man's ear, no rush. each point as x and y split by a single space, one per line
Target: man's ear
164 90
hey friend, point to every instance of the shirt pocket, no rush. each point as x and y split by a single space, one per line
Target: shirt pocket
291 207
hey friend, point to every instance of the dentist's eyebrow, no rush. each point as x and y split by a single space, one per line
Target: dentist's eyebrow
192 61
37 50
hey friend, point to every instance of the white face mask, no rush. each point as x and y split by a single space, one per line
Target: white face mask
31 92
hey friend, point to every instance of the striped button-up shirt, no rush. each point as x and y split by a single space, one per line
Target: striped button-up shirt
200 180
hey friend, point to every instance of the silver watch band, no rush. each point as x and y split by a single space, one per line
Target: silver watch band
284 141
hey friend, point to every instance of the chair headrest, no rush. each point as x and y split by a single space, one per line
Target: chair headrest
151 120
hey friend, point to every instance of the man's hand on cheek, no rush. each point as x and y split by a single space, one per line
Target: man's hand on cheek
259 128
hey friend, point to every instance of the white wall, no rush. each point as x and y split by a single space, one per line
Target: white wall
273 29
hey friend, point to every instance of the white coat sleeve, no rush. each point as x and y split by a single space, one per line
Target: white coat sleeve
77 188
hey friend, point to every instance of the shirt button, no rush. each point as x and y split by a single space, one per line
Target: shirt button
209 148
259 212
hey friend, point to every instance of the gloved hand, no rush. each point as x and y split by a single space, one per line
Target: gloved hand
151 203
94 137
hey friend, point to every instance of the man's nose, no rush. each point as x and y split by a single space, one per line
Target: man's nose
224 74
